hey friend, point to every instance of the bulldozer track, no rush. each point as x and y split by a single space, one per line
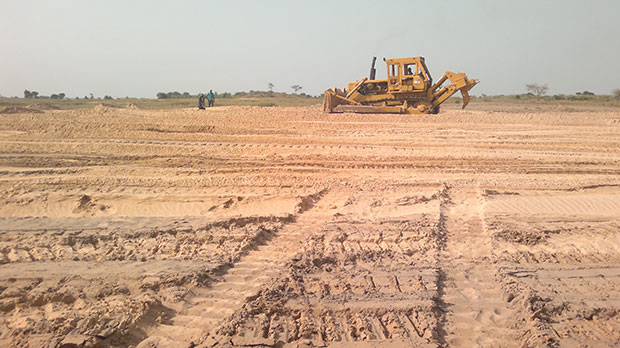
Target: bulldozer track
476 313
367 301
206 308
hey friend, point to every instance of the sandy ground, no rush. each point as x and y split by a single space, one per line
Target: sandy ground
287 227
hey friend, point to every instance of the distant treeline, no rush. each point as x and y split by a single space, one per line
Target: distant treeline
585 95
251 93
179 95
35 95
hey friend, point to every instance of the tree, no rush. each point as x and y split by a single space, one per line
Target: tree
296 88
91 96
28 94
538 90
54 96
107 97
162 95
616 93
61 96
270 86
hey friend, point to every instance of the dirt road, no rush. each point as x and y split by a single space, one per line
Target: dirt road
250 226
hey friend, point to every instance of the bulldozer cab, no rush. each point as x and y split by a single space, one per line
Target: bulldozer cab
407 75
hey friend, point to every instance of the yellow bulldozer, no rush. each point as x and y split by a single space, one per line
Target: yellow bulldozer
408 89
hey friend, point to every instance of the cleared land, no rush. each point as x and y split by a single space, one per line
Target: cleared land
262 99
497 226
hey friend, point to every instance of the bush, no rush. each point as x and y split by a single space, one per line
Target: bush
578 98
175 95
222 95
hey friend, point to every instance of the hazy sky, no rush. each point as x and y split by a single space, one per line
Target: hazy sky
139 47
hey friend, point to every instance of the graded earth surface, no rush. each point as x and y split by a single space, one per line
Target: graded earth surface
495 226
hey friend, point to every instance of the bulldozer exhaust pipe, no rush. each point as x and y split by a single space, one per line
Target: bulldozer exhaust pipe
373 71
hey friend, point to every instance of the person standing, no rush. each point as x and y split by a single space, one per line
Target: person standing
201 102
211 98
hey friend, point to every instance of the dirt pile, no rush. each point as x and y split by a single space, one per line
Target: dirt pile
43 106
105 108
19 110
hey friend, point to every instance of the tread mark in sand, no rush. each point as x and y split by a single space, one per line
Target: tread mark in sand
210 306
476 314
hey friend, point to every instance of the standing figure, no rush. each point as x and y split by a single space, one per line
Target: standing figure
201 102
211 98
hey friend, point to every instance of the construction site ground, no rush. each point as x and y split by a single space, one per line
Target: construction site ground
496 226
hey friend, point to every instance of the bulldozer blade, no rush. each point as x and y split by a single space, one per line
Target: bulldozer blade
369 109
465 98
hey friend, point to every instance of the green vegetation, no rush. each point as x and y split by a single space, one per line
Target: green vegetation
175 95
35 95
538 90
579 98
252 98
272 99
584 93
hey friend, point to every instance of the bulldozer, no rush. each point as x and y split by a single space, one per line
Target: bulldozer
408 89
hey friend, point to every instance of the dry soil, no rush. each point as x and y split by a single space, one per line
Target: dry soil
287 227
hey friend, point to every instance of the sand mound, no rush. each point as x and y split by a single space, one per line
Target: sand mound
19 110
43 106
86 204
101 107
564 108
133 106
